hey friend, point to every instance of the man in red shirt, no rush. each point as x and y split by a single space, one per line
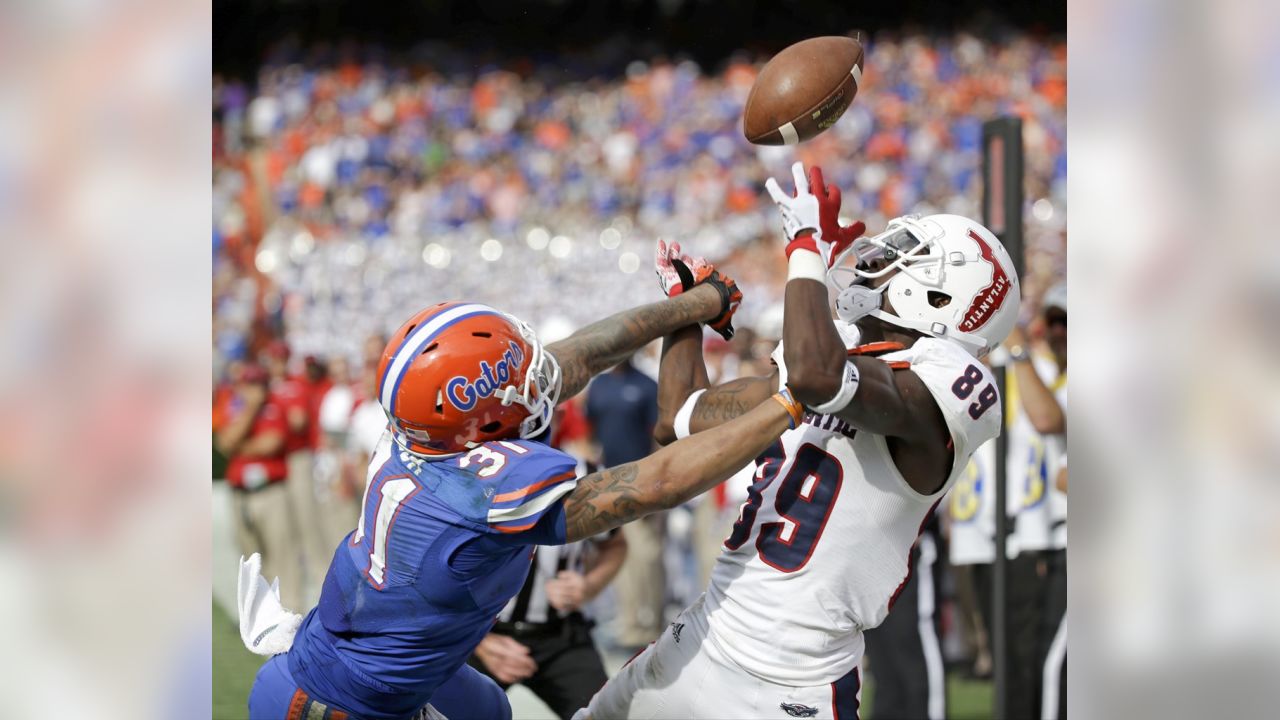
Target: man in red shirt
253 438
293 396
318 381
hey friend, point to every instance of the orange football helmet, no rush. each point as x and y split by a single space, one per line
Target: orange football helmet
459 374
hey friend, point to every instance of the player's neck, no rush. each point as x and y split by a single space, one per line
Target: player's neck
875 331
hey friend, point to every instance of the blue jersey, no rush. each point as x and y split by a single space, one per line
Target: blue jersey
440 548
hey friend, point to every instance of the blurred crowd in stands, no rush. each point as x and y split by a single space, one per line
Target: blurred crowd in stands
351 190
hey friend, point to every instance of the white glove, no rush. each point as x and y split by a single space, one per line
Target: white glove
811 219
266 627
800 212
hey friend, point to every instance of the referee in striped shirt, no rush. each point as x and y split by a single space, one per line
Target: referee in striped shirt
542 639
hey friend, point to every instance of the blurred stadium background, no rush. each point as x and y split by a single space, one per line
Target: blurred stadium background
372 158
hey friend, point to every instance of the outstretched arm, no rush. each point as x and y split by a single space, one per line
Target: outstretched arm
871 396
681 372
672 475
724 402
601 345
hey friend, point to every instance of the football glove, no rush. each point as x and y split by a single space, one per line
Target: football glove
811 215
674 274
678 273
266 627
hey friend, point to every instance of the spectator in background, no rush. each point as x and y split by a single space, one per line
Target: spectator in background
573 431
1051 645
253 437
1037 397
358 172
336 493
316 383
542 638
353 423
224 394
971 520
622 407
293 396
368 419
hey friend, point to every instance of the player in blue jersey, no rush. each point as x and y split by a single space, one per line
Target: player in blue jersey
458 496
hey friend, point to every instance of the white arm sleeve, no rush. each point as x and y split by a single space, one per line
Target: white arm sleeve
848 386
686 413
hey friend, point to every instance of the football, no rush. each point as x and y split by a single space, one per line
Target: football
803 90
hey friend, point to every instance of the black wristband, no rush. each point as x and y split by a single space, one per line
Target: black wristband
687 283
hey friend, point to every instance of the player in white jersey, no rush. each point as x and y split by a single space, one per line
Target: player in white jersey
897 402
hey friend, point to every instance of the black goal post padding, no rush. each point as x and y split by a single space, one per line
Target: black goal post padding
1002 202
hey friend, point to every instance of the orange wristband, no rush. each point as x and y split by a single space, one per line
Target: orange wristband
793 408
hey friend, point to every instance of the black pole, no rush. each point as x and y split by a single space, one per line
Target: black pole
1002 195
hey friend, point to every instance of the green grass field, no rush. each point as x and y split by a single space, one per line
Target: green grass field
234 668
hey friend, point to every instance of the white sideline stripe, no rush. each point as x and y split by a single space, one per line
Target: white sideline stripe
928 635
534 506
1053 672
856 72
417 339
789 134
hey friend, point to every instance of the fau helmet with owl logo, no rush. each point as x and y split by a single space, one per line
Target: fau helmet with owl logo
952 278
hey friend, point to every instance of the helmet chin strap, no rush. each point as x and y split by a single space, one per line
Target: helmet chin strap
971 342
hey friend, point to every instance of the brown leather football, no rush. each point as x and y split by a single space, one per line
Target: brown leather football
803 90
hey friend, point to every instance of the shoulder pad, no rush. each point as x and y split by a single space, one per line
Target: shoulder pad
528 479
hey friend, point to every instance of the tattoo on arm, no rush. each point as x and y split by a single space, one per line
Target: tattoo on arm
603 344
681 372
604 500
609 498
723 403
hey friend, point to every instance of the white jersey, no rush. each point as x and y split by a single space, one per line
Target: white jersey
821 547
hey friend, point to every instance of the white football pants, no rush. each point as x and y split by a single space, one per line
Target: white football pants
684 675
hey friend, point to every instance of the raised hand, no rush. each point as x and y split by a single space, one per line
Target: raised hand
679 272
811 215
674 275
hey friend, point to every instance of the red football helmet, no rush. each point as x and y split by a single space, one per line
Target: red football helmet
459 374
